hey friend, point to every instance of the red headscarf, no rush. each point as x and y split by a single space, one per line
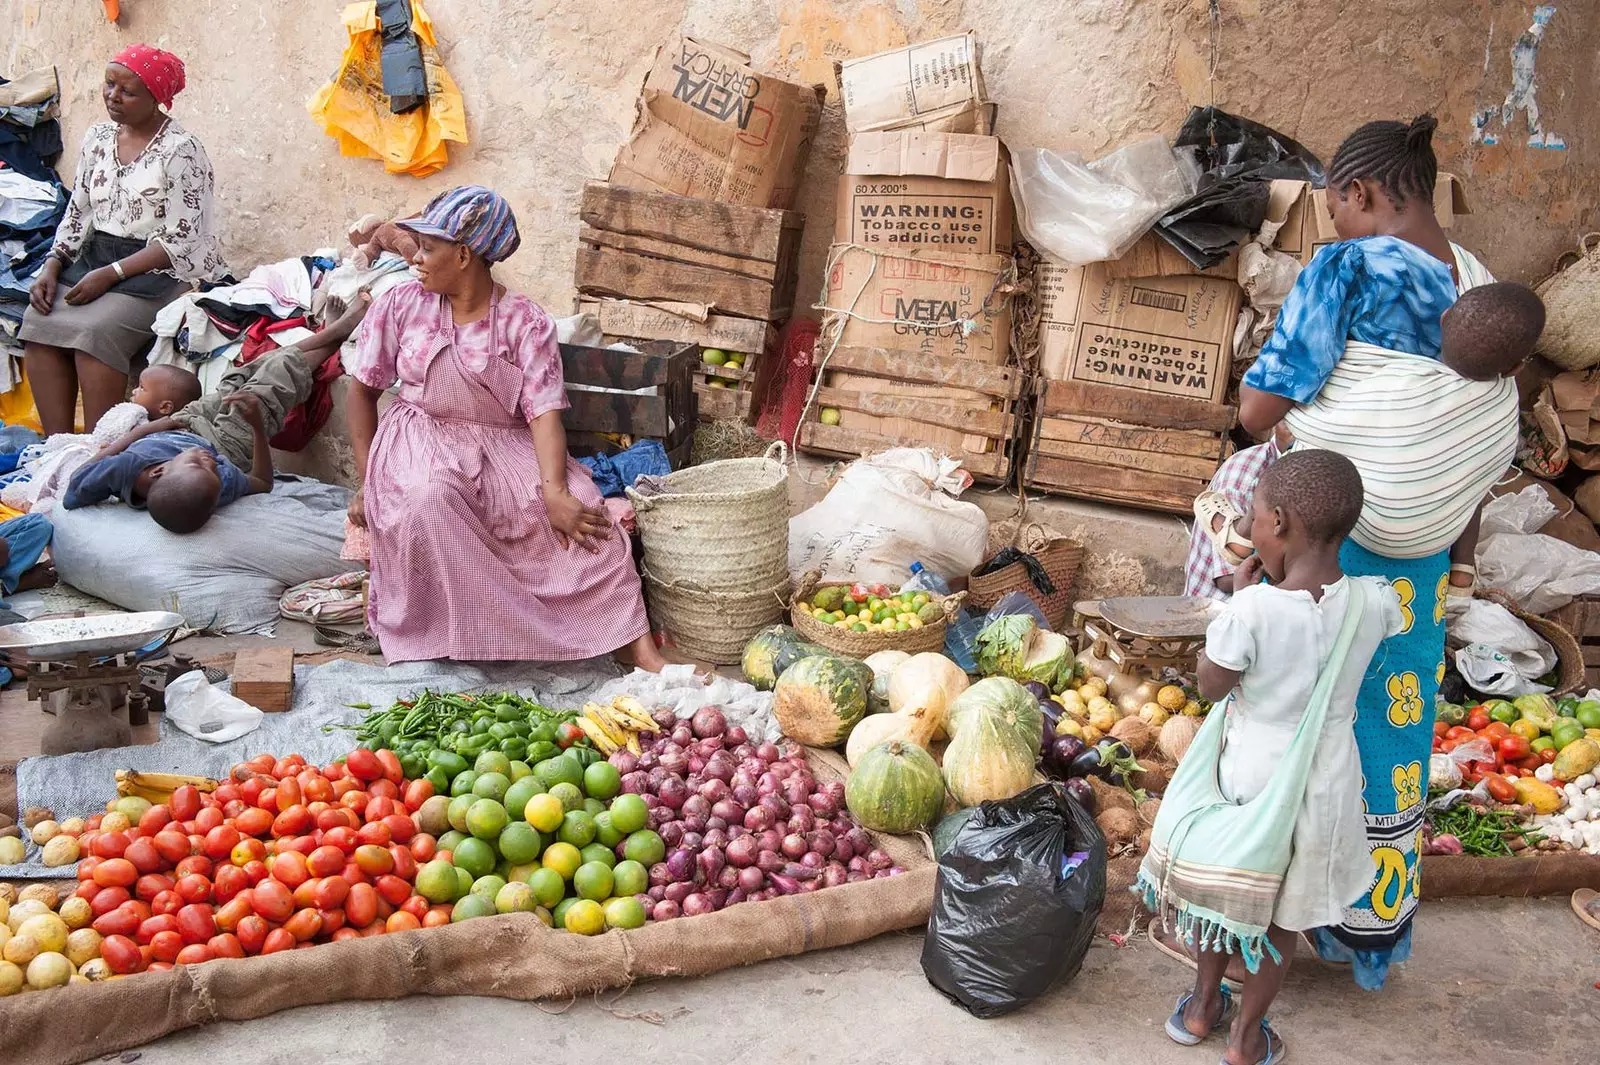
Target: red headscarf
161 72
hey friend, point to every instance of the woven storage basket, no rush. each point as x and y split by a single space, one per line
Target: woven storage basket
861 644
1060 558
1569 653
723 525
709 625
1571 337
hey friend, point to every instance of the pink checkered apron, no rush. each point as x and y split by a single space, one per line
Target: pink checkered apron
465 564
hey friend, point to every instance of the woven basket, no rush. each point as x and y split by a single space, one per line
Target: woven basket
1571 337
723 526
1569 653
1060 558
861 644
710 625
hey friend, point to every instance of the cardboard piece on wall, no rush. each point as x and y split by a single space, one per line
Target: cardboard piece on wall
1167 335
711 127
948 191
935 86
919 299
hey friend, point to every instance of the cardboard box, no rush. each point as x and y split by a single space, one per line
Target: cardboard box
917 300
935 86
711 127
1168 335
947 191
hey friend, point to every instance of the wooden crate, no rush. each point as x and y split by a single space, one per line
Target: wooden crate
264 677
669 415
653 246
740 391
919 420
1581 617
1118 445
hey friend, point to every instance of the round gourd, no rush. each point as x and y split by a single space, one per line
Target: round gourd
911 727
988 758
883 664
896 788
773 650
819 699
1009 701
927 681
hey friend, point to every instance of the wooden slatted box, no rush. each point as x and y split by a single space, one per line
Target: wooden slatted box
1117 445
592 416
1581 617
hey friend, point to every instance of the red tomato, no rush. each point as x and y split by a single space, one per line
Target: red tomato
235 910
158 967
417 792
1477 718
376 832
150 926
288 794
361 905
164 946
341 839
167 902
317 789
250 791
207 819
352 874
194 888
304 925
335 771
195 863
391 766
1500 789
305 894
268 799
343 934
290 869
121 954
193 954
220 842
144 856
87 890
405 866
1496 731
173 846
110 844
424 847
330 893
374 860
255 872
363 764
272 900
355 800
327 860
1440 728
253 822
252 933
303 844
332 921
394 891
225 795
185 802
86 847
1460 732
401 921
385 787
231 880
1514 748
437 916
416 906
149 886
1531 763
261 763
196 923
1547 755
567 734
115 872
119 922
225 945
377 809
247 850
155 819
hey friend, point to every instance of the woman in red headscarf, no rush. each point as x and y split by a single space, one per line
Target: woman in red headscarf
137 233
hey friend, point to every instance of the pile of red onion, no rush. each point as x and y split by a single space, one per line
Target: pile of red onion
741 822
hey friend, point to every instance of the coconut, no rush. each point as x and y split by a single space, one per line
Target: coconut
1142 845
1176 736
1148 810
1154 778
1119 825
1109 796
1139 736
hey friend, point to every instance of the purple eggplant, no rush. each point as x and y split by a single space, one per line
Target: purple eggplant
1037 690
1063 752
1082 793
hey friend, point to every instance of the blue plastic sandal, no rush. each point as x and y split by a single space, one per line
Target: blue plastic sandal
1182 1036
1276 1051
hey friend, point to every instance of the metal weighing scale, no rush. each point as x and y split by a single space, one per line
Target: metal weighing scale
1147 633
85 671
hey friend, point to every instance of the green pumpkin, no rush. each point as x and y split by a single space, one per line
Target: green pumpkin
950 826
820 698
1009 702
773 650
895 788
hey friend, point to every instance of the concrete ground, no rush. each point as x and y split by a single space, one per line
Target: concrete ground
1496 980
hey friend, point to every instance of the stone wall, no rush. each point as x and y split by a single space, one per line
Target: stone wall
550 86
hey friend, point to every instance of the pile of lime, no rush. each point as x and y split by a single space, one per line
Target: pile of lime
557 839
732 360
871 613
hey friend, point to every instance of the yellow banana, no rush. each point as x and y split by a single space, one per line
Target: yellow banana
614 732
158 787
596 734
634 712
633 743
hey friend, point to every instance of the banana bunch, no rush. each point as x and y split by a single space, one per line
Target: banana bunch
158 787
615 727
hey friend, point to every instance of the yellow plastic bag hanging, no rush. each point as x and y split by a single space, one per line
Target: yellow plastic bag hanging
17 407
354 110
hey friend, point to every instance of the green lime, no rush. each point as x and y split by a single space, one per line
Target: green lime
451 839
544 915
563 858
602 781
493 762
569 795
629 813
630 878
436 881
644 847
491 786
462 784
593 807
518 794
518 874
599 852
625 913
593 881
605 831
559 770
488 886
463 883
577 828
547 885
519 771
515 898
559 913
519 843
456 812
470 907
1588 714
486 818
585 917
475 856
544 812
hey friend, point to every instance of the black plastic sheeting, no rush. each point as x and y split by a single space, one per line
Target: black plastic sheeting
405 79
1006 925
1237 159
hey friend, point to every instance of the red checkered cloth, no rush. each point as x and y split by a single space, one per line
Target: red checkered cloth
1237 479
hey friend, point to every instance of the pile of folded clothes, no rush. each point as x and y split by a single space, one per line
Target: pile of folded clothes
32 199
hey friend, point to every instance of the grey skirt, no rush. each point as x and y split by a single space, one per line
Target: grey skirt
112 329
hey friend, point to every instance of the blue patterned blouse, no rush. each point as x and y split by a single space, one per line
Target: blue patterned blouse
1377 290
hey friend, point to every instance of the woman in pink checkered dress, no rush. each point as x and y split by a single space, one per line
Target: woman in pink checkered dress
488 542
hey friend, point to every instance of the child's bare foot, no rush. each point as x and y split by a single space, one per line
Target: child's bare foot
41 576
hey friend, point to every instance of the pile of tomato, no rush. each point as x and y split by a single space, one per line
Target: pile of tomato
281 855
1514 746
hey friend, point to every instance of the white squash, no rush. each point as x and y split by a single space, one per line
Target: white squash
913 727
928 682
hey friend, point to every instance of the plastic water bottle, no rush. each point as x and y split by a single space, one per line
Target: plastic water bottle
925 580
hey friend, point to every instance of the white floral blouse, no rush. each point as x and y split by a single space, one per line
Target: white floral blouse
163 196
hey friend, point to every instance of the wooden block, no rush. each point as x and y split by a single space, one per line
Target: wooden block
1087 480
612 272
933 411
682 253
1129 405
1127 458
900 365
264 677
853 443
1104 431
722 404
624 318
750 232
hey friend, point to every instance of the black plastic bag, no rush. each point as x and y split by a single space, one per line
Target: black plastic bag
1237 158
405 79
1006 923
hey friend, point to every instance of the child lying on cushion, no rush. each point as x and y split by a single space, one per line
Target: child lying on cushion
184 466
